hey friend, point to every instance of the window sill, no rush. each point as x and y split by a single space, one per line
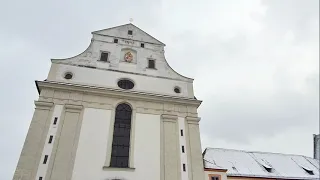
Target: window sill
108 168
151 68
104 61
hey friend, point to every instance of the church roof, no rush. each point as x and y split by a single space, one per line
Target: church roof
261 164
114 31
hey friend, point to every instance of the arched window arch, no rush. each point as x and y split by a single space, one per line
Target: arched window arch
121 136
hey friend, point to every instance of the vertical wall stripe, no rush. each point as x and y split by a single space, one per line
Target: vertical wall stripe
42 169
183 156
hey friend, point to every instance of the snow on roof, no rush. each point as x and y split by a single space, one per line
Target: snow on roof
261 164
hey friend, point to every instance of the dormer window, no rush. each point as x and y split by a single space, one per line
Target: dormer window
268 169
115 40
151 64
309 171
104 56
129 32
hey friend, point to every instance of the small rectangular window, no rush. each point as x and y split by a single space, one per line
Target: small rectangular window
151 64
142 45
130 32
181 132
182 149
55 121
40 178
215 178
50 139
115 40
45 159
104 56
184 167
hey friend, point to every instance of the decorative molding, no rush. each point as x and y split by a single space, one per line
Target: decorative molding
108 168
117 93
127 72
169 117
43 105
192 120
73 107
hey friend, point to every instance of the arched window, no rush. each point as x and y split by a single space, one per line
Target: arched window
121 137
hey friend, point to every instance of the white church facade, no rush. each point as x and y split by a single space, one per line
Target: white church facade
115 111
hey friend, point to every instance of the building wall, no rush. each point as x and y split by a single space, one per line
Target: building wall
81 147
92 149
104 78
161 80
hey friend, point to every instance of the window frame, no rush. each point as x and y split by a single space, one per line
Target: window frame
130 32
101 52
126 79
123 121
154 64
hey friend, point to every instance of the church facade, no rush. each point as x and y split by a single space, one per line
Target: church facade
115 111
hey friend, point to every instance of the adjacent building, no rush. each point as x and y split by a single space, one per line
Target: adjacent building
223 164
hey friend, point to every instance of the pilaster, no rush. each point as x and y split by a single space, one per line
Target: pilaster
194 147
66 143
170 148
34 142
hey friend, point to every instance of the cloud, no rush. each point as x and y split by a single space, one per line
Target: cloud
255 63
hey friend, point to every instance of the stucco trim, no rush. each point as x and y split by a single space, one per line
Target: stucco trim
108 168
113 92
126 72
193 120
43 105
169 117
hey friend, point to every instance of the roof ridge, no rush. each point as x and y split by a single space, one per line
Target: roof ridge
262 152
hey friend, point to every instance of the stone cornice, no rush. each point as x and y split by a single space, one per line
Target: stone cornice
43 104
169 117
112 92
192 120
73 107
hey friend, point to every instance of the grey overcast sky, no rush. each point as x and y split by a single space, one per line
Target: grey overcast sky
255 63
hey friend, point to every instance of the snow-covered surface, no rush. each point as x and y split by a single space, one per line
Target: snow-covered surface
257 164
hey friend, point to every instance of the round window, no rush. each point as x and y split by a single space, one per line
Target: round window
177 90
68 75
125 84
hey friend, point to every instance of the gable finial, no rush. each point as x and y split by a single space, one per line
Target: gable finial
130 20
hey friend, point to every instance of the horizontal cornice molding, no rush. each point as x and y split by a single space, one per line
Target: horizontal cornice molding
43 104
117 93
115 70
169 117
73 107
192 120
